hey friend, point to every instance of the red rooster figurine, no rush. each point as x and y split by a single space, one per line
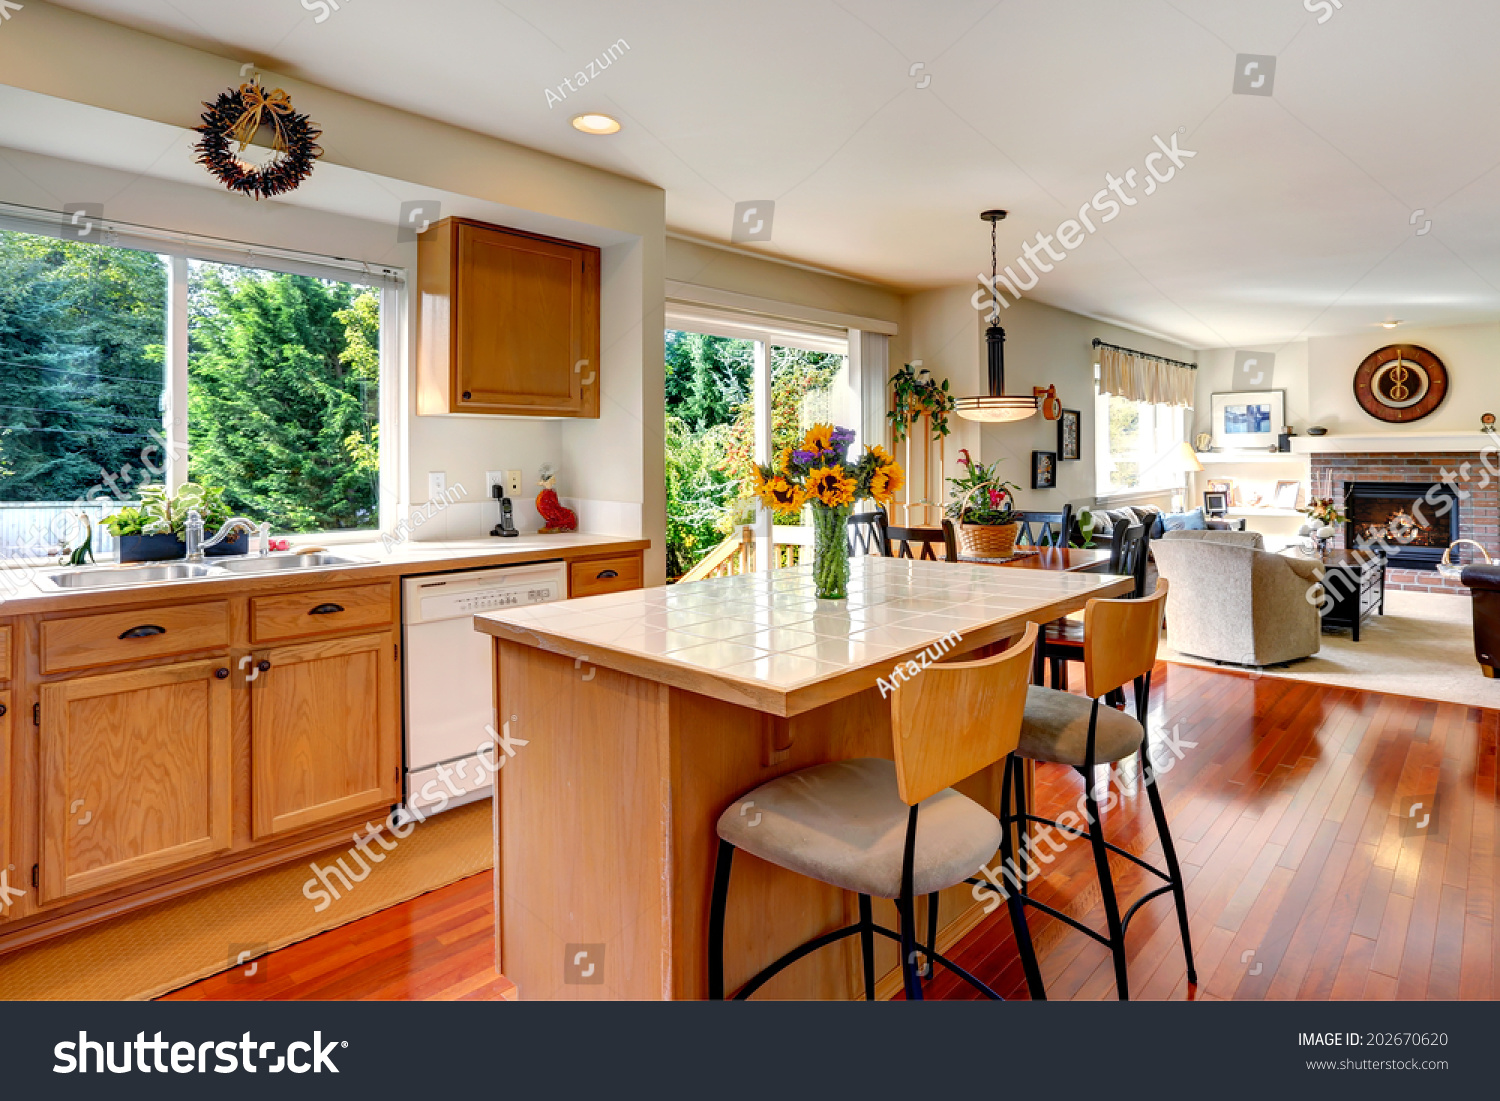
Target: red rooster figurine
558 519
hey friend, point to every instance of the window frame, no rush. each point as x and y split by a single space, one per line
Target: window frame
177 249
1105 459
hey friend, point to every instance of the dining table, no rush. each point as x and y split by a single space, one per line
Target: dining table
1065 559
629 722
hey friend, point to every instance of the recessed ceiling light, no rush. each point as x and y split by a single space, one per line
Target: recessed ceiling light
596 124
1389 324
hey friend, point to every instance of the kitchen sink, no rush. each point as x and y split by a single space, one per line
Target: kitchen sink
98 577
277 563
131 575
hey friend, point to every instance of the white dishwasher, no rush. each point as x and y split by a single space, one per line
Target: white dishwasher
449 675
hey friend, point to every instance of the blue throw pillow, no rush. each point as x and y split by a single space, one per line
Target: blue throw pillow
1185 521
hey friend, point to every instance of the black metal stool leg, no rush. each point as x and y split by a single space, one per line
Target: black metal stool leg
1013 904
1169 852
908 911
929 968
867 945
716 921
1106 881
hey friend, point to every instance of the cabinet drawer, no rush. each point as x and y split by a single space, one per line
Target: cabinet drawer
605 575
320 612
4 653
82 642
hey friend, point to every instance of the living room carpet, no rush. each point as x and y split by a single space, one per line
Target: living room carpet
1422 647
171 944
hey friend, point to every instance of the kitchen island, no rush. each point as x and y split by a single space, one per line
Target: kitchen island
630 721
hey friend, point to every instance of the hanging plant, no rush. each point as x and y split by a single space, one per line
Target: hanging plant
914 393
235 118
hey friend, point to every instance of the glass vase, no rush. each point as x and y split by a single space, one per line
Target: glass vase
831 551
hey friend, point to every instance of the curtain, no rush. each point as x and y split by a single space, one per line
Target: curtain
1144 378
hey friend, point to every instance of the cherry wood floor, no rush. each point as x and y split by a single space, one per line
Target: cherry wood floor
1307 877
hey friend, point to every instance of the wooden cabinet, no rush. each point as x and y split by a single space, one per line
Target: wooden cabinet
605 575
5 652
11 877
508 322
135 774
324 740
321 612
81 642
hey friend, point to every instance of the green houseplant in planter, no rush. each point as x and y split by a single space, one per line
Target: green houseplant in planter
983 509
155 531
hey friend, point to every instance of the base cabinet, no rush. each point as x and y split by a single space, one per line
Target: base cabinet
324 741
135 771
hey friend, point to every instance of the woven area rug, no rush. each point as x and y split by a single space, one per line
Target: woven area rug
1422 647
149 953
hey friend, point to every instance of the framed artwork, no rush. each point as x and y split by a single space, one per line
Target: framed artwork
1286 494
1222 485
1044 470
1070 436
1248 420
1215 503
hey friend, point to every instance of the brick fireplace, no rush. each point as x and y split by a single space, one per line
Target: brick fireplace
1478 514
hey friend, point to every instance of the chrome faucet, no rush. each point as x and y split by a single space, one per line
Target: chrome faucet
196 544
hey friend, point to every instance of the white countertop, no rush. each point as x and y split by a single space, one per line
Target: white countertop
766 631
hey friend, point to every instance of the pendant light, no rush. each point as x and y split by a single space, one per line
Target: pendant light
996 407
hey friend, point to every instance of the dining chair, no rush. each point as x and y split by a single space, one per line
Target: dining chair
892 829
929 543
1062 639
1119 647
1045 529
867 533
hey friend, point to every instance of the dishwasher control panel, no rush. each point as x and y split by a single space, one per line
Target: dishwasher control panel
429 599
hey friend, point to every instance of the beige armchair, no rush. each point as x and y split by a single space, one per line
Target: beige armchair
1231 600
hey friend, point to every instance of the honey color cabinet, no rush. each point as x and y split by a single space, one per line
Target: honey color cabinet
135 774
324 733
508 322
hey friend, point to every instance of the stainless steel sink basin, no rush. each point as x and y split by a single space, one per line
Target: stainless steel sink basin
278 562
127 576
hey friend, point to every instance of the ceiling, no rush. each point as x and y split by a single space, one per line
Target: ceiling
881 128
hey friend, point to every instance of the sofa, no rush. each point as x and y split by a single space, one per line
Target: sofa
1231 600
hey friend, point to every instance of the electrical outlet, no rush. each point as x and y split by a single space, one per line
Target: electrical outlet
493 478
437 484
513 483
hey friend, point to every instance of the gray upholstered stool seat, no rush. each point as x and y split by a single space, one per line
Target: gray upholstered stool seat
1056 728
844 824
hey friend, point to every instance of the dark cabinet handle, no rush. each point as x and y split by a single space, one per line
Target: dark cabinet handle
326 609
263 665
604 575
144 631
467 395
222 674
3 710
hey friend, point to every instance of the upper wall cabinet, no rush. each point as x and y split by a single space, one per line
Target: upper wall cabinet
508 322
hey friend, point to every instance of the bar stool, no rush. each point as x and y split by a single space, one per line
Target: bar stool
888 829
1119 646
1062 640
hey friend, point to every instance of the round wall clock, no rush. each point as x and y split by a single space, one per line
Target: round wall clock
1400 383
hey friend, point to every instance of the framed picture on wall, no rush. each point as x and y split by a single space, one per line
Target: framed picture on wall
1044 470
1248 420
1287 494
1070 436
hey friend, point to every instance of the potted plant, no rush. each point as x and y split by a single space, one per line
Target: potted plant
155 531
983 509
820 474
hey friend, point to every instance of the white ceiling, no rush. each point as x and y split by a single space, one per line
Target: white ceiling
1293 220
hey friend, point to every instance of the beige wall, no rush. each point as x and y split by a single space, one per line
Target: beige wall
1044 346
613 467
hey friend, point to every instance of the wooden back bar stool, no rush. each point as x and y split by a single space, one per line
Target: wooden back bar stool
888 829
1062 639
1119 647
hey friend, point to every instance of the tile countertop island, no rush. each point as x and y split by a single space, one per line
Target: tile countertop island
632 720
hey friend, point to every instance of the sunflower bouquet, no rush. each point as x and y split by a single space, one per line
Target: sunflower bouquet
821 474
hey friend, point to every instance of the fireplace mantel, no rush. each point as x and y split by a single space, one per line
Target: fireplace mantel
1393 443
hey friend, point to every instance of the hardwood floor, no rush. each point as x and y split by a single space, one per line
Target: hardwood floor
1308 874
437 947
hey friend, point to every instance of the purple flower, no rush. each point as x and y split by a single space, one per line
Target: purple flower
804 458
